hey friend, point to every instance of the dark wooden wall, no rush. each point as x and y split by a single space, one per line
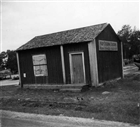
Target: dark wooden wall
109 62
76 48
54 66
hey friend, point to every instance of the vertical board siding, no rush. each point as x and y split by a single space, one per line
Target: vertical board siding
79 47
54 66
25 61
109 62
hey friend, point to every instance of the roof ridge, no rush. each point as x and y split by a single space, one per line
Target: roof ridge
72 29
75 35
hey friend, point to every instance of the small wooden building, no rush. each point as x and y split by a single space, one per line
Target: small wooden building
85 56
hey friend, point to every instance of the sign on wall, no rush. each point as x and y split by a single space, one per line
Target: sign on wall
108 45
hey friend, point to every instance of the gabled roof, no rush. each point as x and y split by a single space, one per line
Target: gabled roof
65 37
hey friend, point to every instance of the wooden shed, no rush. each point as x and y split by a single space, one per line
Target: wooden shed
85 56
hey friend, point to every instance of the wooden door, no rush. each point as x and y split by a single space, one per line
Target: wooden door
77 68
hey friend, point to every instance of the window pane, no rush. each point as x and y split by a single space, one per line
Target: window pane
44 70
41 70
37 70
39 59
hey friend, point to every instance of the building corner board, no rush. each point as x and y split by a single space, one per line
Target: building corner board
17 55
63 64
93 62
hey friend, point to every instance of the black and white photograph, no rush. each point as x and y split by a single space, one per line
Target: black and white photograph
69 63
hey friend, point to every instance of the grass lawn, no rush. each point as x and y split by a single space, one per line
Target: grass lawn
115 101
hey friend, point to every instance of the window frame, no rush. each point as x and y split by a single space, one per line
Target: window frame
39 65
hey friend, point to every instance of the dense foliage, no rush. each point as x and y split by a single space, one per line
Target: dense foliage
131 41
8 60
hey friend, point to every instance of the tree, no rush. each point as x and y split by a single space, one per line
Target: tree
3 56
8 60
135 43
12 61
1 64
131 41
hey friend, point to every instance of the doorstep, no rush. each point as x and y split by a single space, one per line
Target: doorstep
61 87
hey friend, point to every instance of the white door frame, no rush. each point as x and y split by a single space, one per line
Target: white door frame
71 66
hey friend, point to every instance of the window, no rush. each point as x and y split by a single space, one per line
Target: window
40 65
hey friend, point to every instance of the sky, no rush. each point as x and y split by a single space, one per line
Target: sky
21 20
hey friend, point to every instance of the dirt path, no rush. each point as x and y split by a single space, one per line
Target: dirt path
17 119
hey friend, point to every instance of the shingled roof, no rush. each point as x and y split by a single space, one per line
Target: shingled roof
60 38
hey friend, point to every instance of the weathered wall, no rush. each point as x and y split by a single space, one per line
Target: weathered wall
69 48
109 62
54 66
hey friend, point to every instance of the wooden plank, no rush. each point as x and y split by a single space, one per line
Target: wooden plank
19 70
71 71
63 64
93 63
83 59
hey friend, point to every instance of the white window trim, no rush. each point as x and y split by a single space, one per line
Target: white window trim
71 70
